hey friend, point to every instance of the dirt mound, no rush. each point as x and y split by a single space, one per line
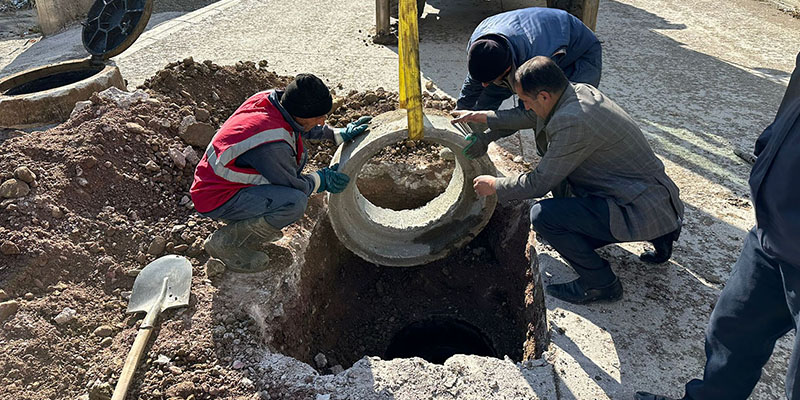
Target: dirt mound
91 202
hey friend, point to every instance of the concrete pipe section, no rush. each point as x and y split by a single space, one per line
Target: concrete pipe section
48 94
406 238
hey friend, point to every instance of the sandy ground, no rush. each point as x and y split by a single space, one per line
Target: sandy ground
701 77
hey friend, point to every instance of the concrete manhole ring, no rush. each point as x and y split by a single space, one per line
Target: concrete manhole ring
48 94
406 238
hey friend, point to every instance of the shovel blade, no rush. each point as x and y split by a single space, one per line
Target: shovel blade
173 271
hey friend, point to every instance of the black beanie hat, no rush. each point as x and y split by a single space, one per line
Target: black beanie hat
489 56
307 97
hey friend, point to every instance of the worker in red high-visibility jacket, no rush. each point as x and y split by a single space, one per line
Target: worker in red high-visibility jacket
250 175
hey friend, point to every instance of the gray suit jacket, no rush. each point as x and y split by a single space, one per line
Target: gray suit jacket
600 151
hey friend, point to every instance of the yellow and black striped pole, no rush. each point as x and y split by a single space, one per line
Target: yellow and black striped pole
408 51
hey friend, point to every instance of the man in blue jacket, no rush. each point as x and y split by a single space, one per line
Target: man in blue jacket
503 42
760 303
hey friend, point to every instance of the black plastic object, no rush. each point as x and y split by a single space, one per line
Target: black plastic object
113 25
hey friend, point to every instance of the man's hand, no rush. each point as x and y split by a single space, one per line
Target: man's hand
332 180
355 128
484 185
469 116
478 144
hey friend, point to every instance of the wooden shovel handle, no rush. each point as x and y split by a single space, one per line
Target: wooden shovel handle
131 362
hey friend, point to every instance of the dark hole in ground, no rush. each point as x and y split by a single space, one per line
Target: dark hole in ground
349 308
438 338
52 81
406 175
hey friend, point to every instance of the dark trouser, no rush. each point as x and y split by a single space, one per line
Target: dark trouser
575 227
758 305
279 205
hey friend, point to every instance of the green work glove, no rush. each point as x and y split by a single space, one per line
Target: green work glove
332 180
355 128
477 146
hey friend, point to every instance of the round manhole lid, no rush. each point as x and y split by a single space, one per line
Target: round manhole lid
113 25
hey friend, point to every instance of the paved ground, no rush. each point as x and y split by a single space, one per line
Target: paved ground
700 77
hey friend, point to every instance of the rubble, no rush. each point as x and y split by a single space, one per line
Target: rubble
7 309
94 214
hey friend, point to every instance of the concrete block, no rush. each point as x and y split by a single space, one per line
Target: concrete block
55 15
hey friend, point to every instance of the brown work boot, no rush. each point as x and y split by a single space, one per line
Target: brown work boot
238 244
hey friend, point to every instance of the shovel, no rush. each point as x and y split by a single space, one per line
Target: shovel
162 284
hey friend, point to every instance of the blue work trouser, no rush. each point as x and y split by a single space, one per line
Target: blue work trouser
758 305
279 205
575 227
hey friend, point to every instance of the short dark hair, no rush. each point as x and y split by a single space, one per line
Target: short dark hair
541 74
489 56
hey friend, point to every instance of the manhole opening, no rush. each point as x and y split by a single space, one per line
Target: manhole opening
438 338
406 175
52 81
475 301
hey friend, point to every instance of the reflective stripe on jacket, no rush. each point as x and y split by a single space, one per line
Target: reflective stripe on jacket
256 122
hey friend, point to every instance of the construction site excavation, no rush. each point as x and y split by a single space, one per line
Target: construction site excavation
319 303
399 199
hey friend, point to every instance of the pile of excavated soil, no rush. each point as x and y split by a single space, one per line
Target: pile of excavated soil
92 201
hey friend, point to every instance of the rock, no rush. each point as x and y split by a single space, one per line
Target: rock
24 174
135 128
100 390
323 397
122 98
518 159
14 188
106 342
429 85
133 273
180 248
195 133
191 155
141 258
9 248
65 316
202 114
175 370
3 295
28 296
238 364
103 331
56 212
337 369
337 102
370 98
152 166
447 154
162 360
7 309
214 267
320 360
82 181
185 200
177 157
157 245
79 107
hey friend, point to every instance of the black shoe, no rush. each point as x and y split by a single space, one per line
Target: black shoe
649 396
662 246
573 292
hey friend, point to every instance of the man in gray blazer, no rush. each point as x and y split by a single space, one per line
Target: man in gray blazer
620 192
